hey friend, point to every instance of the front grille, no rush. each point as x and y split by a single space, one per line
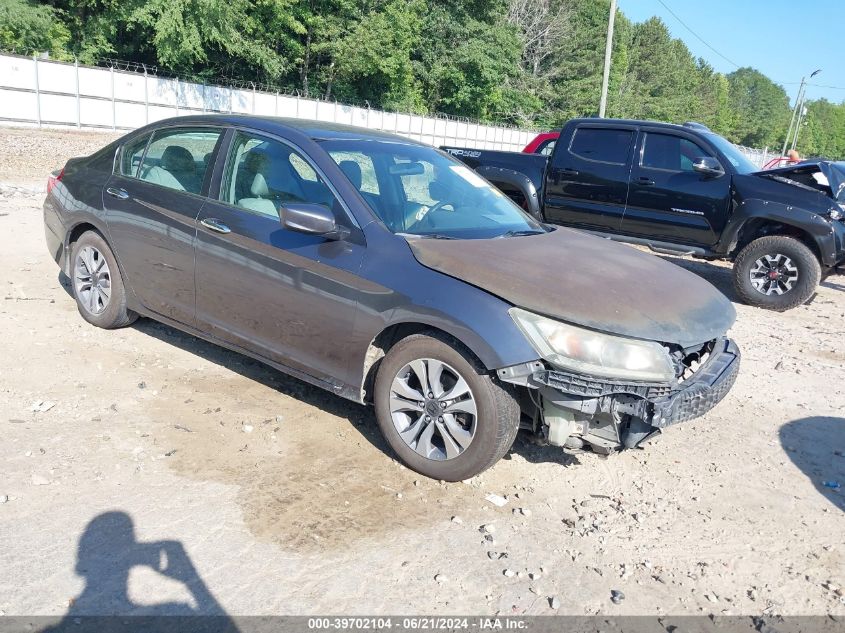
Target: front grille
591 387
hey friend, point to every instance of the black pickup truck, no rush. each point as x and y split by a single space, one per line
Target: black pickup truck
682 189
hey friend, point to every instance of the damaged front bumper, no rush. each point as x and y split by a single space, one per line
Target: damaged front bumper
575 410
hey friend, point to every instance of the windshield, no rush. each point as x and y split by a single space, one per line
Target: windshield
732 153
416 190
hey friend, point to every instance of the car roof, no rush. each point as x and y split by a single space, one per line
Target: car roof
691 125
316 130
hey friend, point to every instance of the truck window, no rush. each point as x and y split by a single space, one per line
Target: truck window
670 152
603 145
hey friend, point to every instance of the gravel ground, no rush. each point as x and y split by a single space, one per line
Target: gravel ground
145 471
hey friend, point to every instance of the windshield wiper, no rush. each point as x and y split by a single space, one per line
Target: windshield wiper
521 233
429 236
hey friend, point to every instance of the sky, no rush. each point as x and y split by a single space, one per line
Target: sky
784 39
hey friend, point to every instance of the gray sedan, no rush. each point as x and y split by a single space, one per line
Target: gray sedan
385 271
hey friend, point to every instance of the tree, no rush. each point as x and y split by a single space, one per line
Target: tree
760 109
28 28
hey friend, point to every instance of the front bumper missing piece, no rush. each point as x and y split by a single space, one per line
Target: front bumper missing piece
608 415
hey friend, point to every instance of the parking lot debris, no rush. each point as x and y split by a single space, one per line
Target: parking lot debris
440 578
509 573
496 500
523 511
4 498
41 406
40 480
247 428
457 520
554 602
616 596
487 528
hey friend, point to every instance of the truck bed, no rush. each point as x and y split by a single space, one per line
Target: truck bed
518 175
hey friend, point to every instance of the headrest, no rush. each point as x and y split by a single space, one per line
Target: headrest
176 158
352 170
259 186
256 162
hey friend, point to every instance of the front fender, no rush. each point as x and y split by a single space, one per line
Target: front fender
518 180
753 215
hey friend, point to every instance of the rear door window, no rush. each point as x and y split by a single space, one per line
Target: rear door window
179 158
604 145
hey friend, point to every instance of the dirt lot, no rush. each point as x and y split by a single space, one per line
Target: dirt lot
129 453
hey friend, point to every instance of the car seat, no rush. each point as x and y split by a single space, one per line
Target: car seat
352 170
259 200
180 163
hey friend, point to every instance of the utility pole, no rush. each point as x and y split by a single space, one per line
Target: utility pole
799 103
801 116
608 49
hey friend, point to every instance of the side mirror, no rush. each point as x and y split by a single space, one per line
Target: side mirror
312 219
708 166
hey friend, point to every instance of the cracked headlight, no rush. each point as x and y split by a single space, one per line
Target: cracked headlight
589 352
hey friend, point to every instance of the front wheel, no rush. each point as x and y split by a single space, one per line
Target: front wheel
776 272
440 412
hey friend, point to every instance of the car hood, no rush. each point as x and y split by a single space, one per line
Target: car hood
834 172
587 281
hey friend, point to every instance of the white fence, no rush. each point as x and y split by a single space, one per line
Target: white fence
56 94
48 93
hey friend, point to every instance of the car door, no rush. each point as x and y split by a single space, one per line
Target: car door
587 181
668 201
152 201
287 296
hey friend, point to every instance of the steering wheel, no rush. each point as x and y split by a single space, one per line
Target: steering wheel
425 221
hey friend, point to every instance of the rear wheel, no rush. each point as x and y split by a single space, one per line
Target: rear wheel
440 412
97 283
776 272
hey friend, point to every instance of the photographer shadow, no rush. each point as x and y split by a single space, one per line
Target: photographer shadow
106 555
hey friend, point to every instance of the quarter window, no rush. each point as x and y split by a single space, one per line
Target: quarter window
602 144
670 152
262 175
178 159
130 157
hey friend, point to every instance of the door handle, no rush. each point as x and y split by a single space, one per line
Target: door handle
215 225
121 194
645 181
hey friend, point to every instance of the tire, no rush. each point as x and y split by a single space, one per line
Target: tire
493 428
798 266
108 312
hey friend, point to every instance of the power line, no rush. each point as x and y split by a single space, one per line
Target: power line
701 39
828 87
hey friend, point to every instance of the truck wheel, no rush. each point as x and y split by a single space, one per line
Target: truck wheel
97 283
442 414
776 272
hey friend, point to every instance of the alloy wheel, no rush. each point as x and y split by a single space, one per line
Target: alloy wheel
773 274
92 279
433 409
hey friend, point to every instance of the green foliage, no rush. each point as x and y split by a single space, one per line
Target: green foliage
760 109
490 60
27 28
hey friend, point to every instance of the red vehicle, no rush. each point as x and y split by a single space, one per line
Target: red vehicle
543 143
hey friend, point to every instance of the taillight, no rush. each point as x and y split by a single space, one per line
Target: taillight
54 178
